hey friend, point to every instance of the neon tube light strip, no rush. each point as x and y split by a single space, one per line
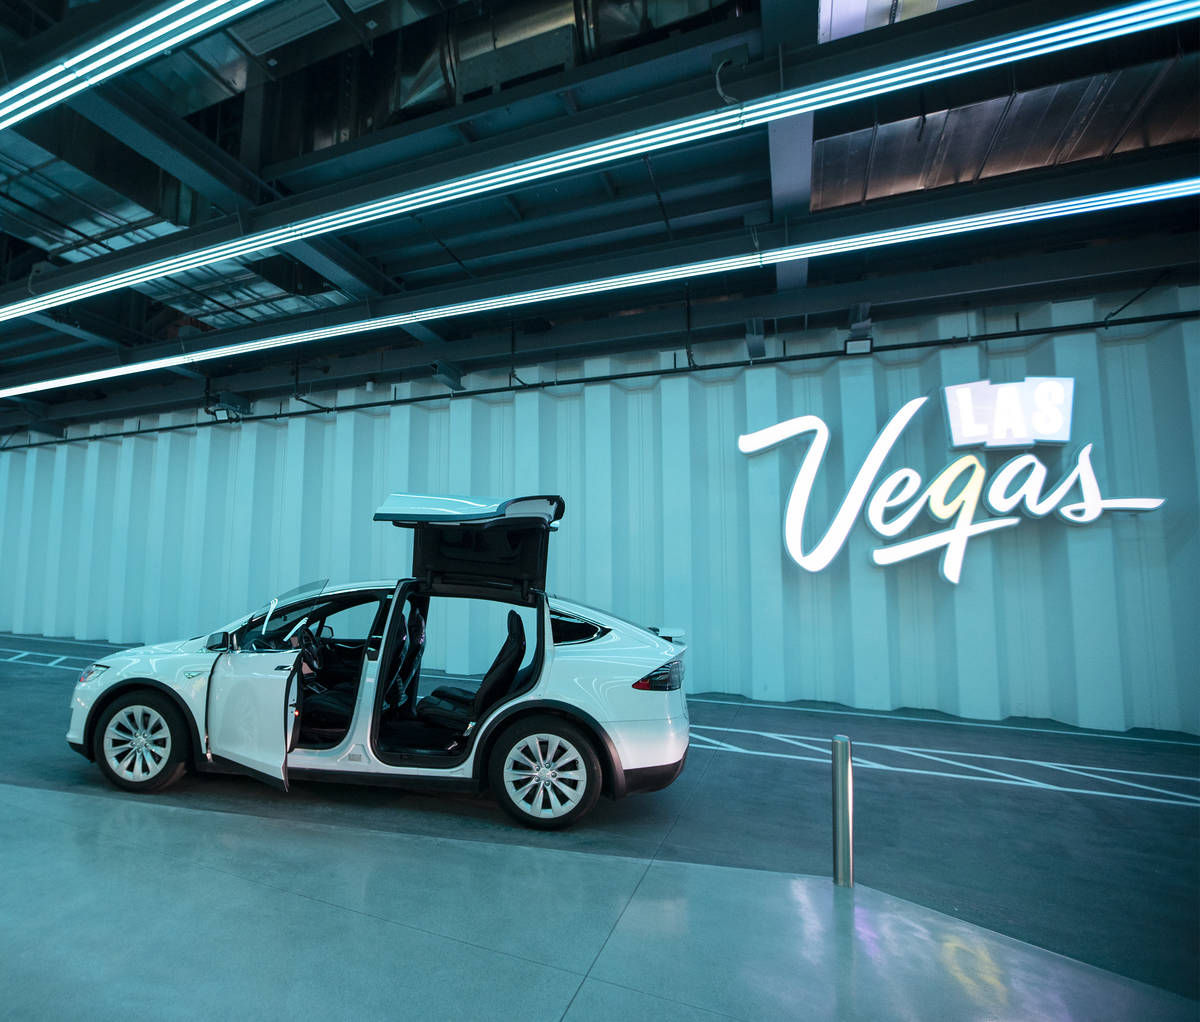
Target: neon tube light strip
168 28
857 242
1006 49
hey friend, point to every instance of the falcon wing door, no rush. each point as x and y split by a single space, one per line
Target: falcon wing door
464 546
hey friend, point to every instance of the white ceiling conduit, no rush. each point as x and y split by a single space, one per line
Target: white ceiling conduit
875 239
1118 21
126 47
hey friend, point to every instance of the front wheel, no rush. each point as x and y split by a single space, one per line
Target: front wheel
545 772
141 742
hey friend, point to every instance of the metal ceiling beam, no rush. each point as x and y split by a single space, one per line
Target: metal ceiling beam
133 116
549 235
802 67
85 328
37 418
356 24
789 24
1058 183
136 118
1102 266
956 285
77 330
91 21
80 52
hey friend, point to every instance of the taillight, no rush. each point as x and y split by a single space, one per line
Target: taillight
664 679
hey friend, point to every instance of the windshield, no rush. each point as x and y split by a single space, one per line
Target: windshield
314 588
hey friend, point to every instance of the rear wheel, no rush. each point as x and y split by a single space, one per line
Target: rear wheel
141 742
545 772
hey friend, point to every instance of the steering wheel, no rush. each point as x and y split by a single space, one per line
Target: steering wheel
310 649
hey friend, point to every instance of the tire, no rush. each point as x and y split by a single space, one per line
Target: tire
141 741
544 772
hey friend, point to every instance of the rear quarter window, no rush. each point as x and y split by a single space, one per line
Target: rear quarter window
566 630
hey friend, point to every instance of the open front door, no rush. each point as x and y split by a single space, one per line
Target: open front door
254 710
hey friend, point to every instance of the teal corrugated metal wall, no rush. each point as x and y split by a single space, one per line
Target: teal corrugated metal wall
170 534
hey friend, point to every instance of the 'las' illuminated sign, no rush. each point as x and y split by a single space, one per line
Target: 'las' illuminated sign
1035 411
960 497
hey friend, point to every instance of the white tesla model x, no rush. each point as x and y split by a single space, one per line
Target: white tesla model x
465 677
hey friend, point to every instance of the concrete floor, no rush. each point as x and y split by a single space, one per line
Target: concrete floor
1080 843
127 908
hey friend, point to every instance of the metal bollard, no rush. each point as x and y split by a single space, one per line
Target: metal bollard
843 812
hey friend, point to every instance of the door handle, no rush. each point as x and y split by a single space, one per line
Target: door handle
284 667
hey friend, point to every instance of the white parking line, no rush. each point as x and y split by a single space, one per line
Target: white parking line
952 758
18 656
968 766
1116 780
935 720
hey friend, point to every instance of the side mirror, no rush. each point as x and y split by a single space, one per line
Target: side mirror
218 642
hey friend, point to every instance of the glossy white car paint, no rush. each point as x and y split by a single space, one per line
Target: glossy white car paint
548 726
182 666
245 715
648 728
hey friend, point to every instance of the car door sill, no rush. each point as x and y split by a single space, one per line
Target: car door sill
414 783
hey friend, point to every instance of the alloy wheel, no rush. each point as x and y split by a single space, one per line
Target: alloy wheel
545 776
137 743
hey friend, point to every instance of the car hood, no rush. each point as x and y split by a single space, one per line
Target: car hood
195 645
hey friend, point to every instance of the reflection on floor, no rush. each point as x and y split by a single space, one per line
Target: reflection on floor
111 902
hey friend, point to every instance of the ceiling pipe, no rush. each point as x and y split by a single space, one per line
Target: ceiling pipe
639 374
453 58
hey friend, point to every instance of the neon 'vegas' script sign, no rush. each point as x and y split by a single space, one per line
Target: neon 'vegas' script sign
1036 410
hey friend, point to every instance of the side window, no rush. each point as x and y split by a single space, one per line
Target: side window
352 624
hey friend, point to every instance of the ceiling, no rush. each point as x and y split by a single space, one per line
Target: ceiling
304 105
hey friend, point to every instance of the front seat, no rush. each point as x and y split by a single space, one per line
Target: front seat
331 709
446 708
402 689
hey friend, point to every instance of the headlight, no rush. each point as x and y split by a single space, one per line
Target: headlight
90 672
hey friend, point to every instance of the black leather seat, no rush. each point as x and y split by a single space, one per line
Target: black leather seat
464 697
456 708
331 709
402 683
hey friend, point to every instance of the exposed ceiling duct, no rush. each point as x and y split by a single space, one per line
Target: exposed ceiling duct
453 60
561 150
